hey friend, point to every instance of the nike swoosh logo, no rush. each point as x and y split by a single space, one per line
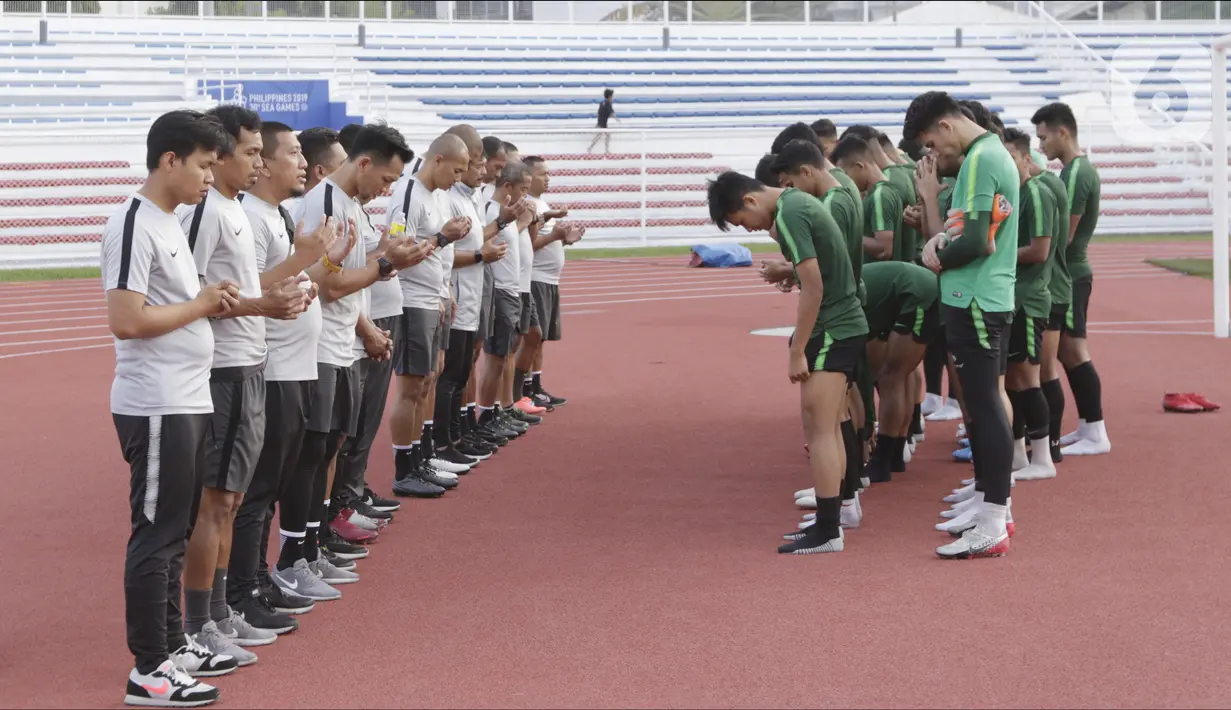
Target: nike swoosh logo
160 689
175 253
292 585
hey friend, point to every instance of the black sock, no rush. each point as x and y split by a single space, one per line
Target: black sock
536 383
464 422
1087 391
425 441
828 515
519 383
487 415
916 420
311 547
897 461
1019 415
403 463
1054 393
1034 410
527 386
850 442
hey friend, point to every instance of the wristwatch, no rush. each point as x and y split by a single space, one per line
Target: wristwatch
441 240
478 256
501 224
386 268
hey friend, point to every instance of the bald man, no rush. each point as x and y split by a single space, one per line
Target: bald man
419 209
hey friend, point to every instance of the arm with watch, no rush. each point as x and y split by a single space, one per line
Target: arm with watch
401 254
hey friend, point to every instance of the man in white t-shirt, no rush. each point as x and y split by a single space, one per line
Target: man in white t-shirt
160 400
223 247
290 376
375 162
455 440
504 315
550 237
419 210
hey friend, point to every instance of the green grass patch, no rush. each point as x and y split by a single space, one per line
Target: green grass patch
81 272
1203 268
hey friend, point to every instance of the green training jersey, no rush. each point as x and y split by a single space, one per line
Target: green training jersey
845 211
895 287
882 212
807 231
851 189
1082 182
987 174
902 177
1037 219
1059 282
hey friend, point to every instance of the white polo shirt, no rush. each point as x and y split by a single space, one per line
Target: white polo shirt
506 273
467 280
425 213
338 318
292 343
224 248
386 296
144 250
548 261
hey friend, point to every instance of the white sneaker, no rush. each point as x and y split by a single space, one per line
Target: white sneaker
167 687
959 508
962 521
807 502
949 412
975 542
968 481
908 452
931 402
449 466
362 521
964 493
961 432
1075 436
199 662
804 493
808 518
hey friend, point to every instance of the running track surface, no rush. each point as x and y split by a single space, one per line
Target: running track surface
624 553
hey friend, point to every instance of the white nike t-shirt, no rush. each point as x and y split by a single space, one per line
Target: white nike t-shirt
144 250
224 249
425 213
467 280
548 261
292 343
506 273
338 318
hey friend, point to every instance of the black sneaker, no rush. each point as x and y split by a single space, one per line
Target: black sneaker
506 420
384 505
340 563
541 400
475 448
552 399
416 487
431 475
338 547
496 428
282 601
260 614
523 417
366 510
452 455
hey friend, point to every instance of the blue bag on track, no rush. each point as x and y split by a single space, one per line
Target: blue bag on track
721 255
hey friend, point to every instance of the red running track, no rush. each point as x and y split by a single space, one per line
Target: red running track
623 554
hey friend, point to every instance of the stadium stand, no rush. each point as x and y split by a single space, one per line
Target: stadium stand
703 99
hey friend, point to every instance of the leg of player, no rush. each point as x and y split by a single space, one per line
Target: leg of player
523 381
878 469
974 342
1049 373
1091 436
1031 404
441 468
324 516
412 362
904 351
822 404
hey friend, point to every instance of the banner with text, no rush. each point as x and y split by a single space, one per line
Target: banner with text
300 103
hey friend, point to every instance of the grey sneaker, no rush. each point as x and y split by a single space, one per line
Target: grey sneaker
241 633
332 575
301 580
211 638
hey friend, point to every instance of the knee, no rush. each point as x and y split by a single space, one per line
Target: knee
410 389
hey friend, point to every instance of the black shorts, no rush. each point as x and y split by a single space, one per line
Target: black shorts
824 354
337 399
920 324
974 332
504 315
529 319
485 304
237 427
1026 338
1075 321
416 351
547 308
1059 314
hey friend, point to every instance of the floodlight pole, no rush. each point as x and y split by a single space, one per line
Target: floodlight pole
1218 94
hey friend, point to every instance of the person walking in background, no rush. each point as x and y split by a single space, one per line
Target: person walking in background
605 113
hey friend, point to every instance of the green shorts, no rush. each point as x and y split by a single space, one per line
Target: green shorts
825 354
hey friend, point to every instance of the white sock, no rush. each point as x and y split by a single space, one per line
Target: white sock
993 518
1019 454
1040 453
1096 431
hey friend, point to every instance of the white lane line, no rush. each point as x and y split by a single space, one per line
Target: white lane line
55 350
60 340
51 330
680 298
102 316
622 292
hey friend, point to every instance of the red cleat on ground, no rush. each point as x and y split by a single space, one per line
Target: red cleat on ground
352 533
1180 402
1202 402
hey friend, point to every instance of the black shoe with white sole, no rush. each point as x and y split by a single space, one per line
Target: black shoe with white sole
384 505
280 600
261 615
338 547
